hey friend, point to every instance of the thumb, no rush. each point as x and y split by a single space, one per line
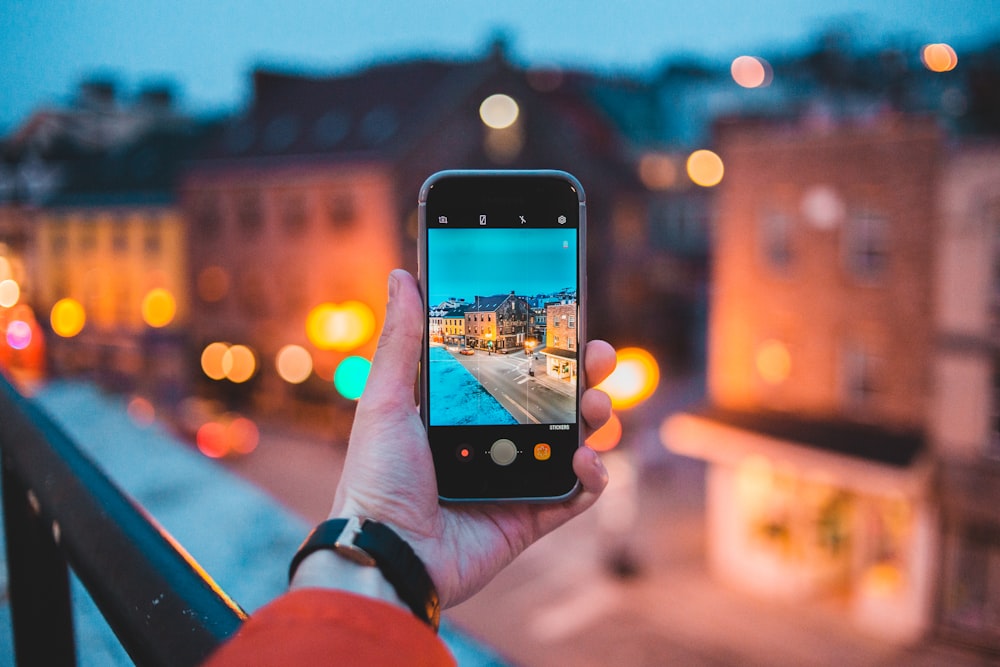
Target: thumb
394 366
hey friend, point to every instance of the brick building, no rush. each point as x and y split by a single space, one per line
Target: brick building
821 374
561 341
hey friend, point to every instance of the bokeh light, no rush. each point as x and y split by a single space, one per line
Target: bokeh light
239 363
774 363
243 435
158 307
294 364
705 168
608 436
634 379
141 411
211 440
340 327
751 72
18 334
351 377
10 292
657 171
939 57
230 434
499 111
67 317
211 360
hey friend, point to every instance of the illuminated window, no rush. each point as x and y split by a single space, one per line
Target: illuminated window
867 245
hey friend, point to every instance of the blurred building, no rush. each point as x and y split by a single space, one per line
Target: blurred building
822 346
310 196
90 200
964 413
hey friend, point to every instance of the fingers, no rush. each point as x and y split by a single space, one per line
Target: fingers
596 408
394 367
600 359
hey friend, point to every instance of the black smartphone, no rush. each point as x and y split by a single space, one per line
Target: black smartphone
502 269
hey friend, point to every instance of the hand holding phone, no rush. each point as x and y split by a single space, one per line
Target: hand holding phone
389 473
502 269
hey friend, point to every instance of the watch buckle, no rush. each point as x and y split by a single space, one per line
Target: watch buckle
345 546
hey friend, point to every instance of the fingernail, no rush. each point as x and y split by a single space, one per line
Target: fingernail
393 284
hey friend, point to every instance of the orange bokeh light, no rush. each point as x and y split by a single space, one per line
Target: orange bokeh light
340 327
158 307
67 317
294 364
634 379
939 57
705 168
751 72
657 171
608 436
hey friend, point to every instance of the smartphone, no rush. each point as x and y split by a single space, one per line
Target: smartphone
501 263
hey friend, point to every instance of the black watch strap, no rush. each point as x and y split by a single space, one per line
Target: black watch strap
371 543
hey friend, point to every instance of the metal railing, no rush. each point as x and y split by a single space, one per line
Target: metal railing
60 508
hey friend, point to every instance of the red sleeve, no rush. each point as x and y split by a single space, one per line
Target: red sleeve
329 627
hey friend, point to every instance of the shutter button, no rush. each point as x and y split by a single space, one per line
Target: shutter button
503 452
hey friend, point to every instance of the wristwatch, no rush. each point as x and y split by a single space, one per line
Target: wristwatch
374 544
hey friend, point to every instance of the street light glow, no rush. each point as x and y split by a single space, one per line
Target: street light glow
499 111
634 379
705 168
67 317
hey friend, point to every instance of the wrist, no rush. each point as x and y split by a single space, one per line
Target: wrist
326 569
370 546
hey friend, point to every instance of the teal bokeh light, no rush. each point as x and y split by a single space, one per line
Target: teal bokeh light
351 376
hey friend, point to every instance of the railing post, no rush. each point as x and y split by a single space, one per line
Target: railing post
38 581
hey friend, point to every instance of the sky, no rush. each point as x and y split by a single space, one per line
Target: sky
464 263
207 49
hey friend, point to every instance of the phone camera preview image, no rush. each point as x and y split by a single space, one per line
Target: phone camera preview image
503 337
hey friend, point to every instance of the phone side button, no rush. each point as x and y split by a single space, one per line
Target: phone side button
503 452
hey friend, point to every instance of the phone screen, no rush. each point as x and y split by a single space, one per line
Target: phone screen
501 272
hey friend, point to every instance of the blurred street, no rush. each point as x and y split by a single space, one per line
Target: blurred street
561 603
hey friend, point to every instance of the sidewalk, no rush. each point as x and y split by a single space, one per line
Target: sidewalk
241 536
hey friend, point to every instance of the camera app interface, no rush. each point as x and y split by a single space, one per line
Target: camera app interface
502 322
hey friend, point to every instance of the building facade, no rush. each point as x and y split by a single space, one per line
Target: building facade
497 323
561 341
820 380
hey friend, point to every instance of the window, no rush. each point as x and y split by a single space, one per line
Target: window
867 245
341 209
119 237
862 372
248 213
88 236
207 217
775 239
293 212
151 240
